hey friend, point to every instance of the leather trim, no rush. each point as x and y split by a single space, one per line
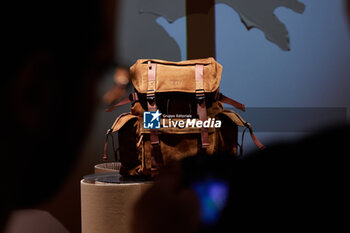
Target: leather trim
201 105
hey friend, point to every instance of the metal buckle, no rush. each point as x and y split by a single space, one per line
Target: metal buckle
109 131
248 125
200 97
151 97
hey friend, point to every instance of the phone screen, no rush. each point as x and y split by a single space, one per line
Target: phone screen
212 195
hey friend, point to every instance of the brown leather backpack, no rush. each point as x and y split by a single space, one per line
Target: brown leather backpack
187 95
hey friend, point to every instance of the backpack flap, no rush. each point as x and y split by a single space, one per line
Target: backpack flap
235 117
122 120
176 76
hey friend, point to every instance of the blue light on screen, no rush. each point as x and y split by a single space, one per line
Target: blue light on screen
212 196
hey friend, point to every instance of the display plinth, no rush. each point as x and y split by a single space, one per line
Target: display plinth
107 202
107 167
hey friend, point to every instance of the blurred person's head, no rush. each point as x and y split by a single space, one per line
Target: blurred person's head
54 53
286 187
167 207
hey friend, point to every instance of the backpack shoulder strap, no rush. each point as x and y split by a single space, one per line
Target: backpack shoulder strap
230 101
131 98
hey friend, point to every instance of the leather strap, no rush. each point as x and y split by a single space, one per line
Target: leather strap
201 105
252 135
132 98
156 158
231 102
151 87
105 156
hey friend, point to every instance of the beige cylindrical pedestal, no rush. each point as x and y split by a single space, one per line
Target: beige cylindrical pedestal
107 207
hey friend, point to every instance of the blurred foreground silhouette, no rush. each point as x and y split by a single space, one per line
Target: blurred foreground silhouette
55 54
286 187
